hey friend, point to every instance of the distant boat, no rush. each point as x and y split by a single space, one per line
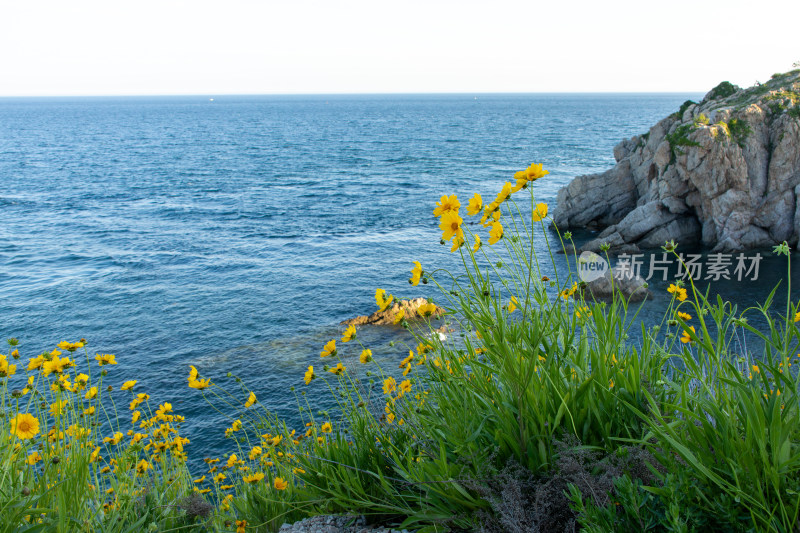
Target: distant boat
210 99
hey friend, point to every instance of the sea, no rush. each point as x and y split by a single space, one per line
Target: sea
235 233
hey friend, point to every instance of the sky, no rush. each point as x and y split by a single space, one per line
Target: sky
164 47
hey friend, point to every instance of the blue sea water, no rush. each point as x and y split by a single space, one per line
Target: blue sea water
235 234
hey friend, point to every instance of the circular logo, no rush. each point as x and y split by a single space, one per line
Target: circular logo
591 266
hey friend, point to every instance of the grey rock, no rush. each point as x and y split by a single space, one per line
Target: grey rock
631 288
731 186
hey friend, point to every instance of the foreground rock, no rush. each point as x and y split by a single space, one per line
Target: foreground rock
633 288
724 172
385 318
335 524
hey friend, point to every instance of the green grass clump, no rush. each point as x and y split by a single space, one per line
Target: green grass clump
545 410
723 90
739 130
684 106
679 139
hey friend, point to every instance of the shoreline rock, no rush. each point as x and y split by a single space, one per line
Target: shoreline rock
386 318
724 173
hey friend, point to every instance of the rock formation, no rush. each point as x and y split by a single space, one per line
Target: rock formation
724 172
386 318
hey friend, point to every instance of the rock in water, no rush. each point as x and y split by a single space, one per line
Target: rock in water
724 172
631 288
386 318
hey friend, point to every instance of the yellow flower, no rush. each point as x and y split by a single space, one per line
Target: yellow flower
192 373
250 399
496 233
25 426
6 370
458 242
532 173
797 317
540 213
142 467
89 411
56 365
477 245
33 458
298 471
255 478
199 480
566 293
389 385
309 375
255 452
200 383
81 380
338 369
128 385
381 300
405 386
349 333
684 316
446 204
475 205
116 439
58 407
451 226
95 455
36 363
231 460
366 356
685 337
390 418
416 274
240 526
329 349
399 316
219 478
679 292
407 360
512 305
426 309
407 369
504 193
105 359
326 428
280 484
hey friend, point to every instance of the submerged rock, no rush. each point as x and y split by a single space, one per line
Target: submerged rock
386 318
724 172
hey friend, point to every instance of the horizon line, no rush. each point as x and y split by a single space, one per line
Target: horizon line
412 93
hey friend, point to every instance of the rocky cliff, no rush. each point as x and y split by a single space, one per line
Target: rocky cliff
724 172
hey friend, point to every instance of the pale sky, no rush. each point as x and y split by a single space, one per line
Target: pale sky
121 47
